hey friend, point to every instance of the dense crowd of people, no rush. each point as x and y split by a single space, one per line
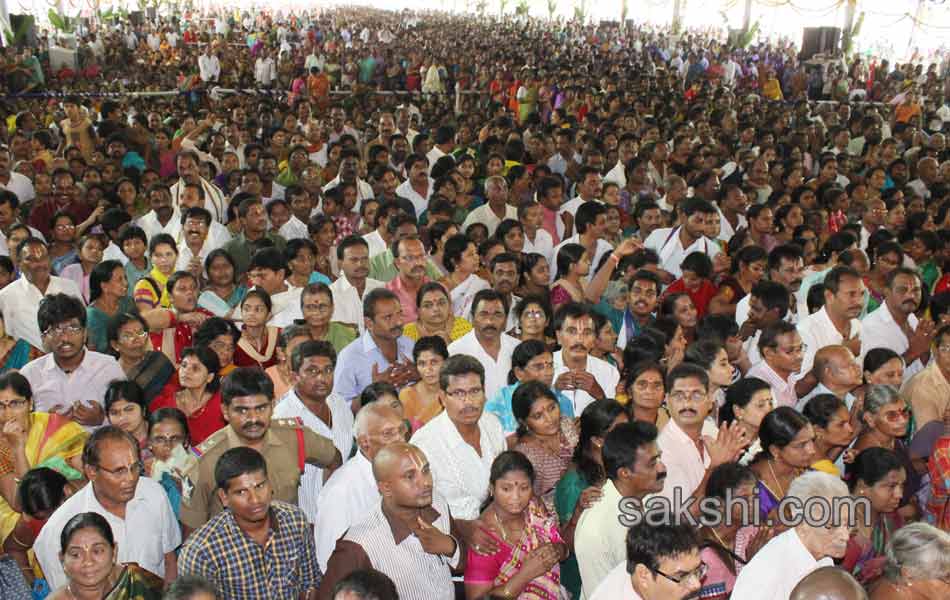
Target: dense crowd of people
366 305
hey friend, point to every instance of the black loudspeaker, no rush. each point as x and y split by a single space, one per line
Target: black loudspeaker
24 30
819 40
136 17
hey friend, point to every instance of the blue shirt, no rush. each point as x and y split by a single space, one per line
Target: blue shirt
500 406
354 365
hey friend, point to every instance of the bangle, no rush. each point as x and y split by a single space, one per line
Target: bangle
614 258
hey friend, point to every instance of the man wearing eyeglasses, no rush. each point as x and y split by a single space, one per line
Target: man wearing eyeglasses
662 563
137 509
410 258
312 402
70 380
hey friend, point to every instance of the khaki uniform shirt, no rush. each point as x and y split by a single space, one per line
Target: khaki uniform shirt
283 466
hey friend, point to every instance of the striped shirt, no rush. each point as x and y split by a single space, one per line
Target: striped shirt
382 542
242 569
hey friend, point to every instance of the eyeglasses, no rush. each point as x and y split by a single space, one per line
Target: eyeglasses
61 330
167 440
473 393
533 314
897 415
698 573
696 396
314 371
318 307
134 470
131 336
14 405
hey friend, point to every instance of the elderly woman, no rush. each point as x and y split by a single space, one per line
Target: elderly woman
804 548
544 435
31 439
529 545
421 401
435 315
580 486
788 450
316 304
195 392
877 476
530 361
128 339
88 553
461 260
918 565
884 419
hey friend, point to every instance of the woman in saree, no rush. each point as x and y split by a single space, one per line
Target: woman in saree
529 545
152 291
88 553
151 369
31 439
14 354
460 258
788 450
222 294
877 475
435 316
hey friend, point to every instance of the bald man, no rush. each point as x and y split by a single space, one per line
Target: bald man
351 492
838 373
409 536
828 583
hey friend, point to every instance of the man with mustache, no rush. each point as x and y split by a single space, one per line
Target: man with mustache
642 298
578 375
354 281
817 539
410 258
312 402
136 508
410 535
260 546
785 266
487 342
247 401
632 463
381 353
197 243
781 349
691 446
835 323
894 325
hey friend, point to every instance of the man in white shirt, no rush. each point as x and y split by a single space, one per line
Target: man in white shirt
9 205
193 196
589 187
838 374
327 414
20 299
777 568
781 349
836 322
353 283
443 142
136 508
208 66
17 183
265 69
590 223
487 342
661 562
164 216
351 490
461 473
676 243
634 470
496 208
195 241
417 188
785 267
268 271
895 326
188 173
348 173
579 376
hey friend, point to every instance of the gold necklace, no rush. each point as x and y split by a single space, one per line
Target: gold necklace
504 534
778 483
719 539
